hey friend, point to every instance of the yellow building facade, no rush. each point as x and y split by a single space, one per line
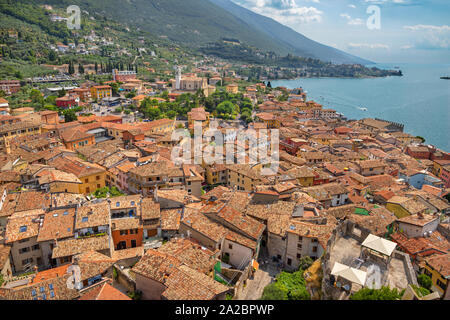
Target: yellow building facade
100 92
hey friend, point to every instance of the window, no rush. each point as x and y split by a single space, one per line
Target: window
97 178
441 284
64 259
84 219
23 240
299 255
427 272
314 249
23 229
86 180
23 250
230 246
123 232
26 261
289 262
35 247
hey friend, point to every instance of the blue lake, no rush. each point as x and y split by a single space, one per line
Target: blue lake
420 99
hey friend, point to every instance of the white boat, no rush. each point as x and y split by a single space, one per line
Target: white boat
362 109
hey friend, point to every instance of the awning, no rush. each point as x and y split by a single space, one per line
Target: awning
380 245
348 273
255 264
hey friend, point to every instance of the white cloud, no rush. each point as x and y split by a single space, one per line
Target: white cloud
387 1
352 6
423 27
431 37
352 22
368 45
286 11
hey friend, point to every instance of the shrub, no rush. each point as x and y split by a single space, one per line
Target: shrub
136 295
385 293
275 291
421 291
305 262
424 281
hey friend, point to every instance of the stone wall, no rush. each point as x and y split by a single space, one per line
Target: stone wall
239 286
124 279
410 273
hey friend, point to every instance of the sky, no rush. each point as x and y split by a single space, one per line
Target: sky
383 31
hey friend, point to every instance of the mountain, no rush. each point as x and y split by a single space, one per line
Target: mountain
294 41
197 22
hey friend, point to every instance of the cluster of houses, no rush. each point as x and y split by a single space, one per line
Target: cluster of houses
367 200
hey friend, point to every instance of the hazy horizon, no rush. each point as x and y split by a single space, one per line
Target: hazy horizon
411 31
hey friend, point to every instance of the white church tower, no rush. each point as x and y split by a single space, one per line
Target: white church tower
178 79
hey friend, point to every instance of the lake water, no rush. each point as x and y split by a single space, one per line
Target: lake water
420 99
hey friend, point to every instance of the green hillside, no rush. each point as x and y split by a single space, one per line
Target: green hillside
189 22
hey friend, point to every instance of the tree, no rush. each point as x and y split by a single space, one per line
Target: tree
52 56
225 109
424 281
71 68
289 286
269 85
421 138
130 95
70 116
80 69
421 291
62 93
305 262
385 293
96 68
274 291
115 88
